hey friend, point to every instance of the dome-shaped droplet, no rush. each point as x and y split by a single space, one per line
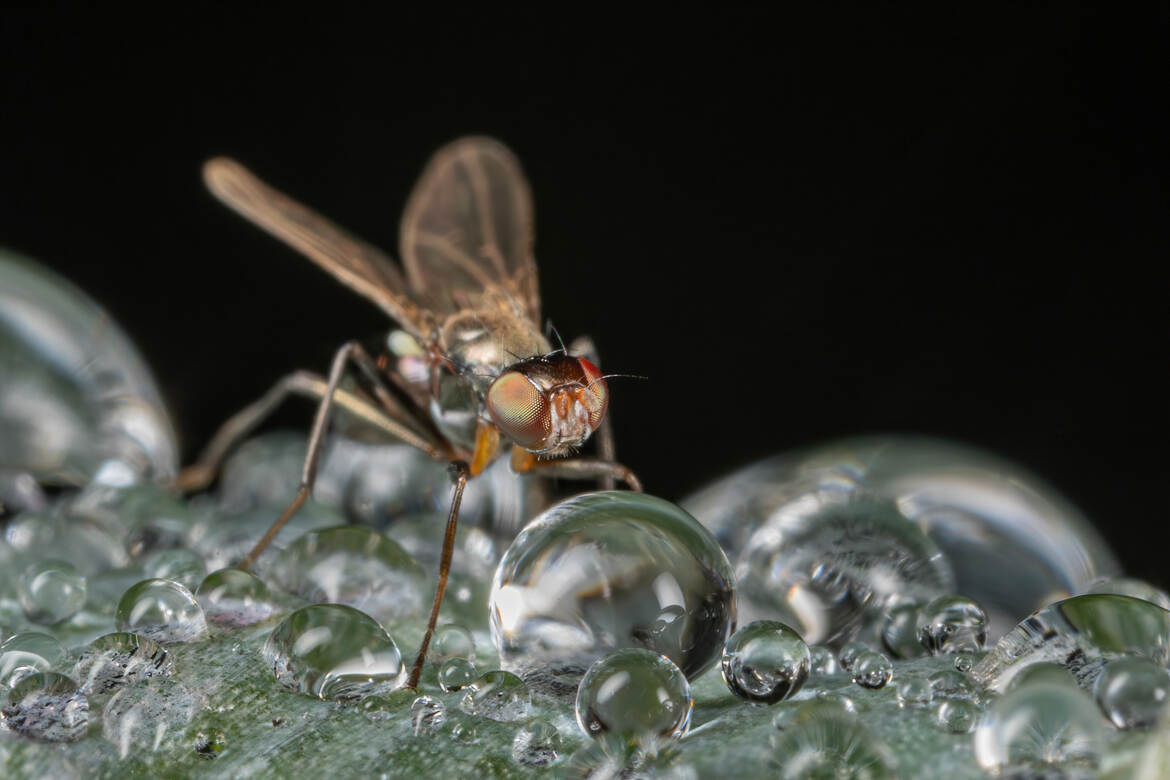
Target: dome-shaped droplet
465 731
849 653
1082 634
89 547
914 693
497 695
949 684
232 598
147 716
823 741
51 591
161 610
1133 692
952 624
25 653
957 716
899 631
427 715
1041 725
822 662
47 706
537 744
179 565
332 651
1127 586
114 660
872 670
452 641
223 538
610 570
765 661
456 674
355 566
636 693
965 662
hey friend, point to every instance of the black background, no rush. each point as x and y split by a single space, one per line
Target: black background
797 228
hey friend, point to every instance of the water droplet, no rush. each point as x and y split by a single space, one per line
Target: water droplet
80 542
849 653
838 700
179 565
965 662
1041 725
952 624
456 674
537 744
899 631
949 684
332 651
1126 586
452 641
824 741
872 670
765 661
210 744
427 715
117 659
914 693
47 706
161 610
223 538
1133 692
1081 634
51 591
232 598
957 716
822 663
147 714
637 693
145 516
834 566
497 695
611 570
355 566
28 652
465 731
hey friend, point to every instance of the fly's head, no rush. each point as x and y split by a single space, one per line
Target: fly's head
548 405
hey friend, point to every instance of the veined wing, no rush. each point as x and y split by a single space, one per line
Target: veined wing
356 264
468 230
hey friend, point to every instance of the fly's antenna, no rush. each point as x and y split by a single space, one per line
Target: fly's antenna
615 376
550 328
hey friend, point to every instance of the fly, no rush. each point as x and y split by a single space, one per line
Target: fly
470 371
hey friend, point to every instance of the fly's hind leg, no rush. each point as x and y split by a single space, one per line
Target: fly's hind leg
606 447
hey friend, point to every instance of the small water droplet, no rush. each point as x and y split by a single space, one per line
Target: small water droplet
1133 692
957 716
952 624
456 674
914 693
637 693
332 651
145 715
465 731
233 598
452 641
178 565
949 684
117 659
427 715
51 591
28 652
161 610
765 661
965 662
849 653
899 631
537 744
872 670
47 706
822 662
497 695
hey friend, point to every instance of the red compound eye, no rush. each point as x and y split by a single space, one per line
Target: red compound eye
519 409
595 396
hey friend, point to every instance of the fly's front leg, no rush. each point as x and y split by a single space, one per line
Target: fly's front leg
524 461
606 447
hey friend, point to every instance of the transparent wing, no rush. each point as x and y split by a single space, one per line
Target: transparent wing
467 230
351 261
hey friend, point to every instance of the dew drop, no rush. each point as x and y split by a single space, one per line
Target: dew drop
965 662
537 744
332 651
497 695
765 661
179 565
456 674
605 571
232 598
914 693
822 662
161 610
28 652
427 715
144 716
849 653
872 670
1133 692
47 706
957 716
465 731
355 566
824 741
949 684
899 631
51 591
80 542
452 641
114 660
636 693
1126 586
952 624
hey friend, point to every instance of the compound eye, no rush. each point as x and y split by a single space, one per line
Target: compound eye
595 396
519 409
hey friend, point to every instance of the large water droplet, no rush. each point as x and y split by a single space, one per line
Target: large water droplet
872 670
49 707
765 661
899 631
179 565
25 653
1126 586
537 744
117 659
957 716
823 741
355 566
610 570
232 598
834 567
456 674
1081 634
1041 725
636 693
161 610
332 651
452 641
914 693
1133 692
952 624
147 714
51 591
497 695
427 715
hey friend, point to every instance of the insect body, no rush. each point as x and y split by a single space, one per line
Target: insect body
472 371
